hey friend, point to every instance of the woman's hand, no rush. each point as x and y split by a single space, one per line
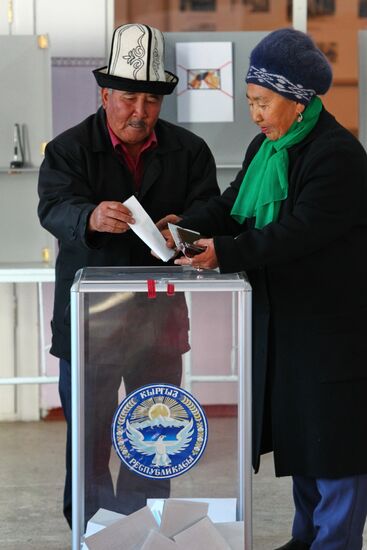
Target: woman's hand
205 260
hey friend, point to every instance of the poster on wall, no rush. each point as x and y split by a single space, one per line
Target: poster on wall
205 88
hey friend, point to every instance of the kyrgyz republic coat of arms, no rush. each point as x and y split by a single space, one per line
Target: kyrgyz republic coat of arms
159 431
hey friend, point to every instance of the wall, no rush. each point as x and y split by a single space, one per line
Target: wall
70 39
84 29
335 33
75 29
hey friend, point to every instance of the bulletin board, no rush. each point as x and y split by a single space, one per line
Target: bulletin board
75 94
227 140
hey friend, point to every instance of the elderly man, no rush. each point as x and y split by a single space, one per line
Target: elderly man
123 149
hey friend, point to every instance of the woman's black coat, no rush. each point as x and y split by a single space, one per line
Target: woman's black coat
308 271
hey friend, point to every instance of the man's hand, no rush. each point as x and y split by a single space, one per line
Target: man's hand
110 217
205 260
163 223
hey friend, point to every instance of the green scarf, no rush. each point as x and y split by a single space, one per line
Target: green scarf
265 183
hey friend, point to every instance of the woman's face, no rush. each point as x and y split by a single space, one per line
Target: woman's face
273 113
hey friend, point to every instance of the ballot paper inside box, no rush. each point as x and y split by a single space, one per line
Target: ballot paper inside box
183 524
131 322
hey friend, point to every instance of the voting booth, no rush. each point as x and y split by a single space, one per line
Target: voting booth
157 355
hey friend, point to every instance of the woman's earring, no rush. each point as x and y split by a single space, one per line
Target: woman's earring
300 117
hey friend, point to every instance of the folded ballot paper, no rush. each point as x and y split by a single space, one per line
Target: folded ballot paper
184 524
146 229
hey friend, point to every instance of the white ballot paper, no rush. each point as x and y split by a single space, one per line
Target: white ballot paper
180 514
183 525
132 530
202 534
157 541
234 533
145 228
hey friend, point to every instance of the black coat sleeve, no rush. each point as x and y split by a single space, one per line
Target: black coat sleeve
327 197
66 197
214 217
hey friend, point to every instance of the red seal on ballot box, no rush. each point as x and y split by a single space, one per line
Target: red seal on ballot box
159 431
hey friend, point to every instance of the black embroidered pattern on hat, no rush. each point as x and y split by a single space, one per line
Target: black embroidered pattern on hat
135 57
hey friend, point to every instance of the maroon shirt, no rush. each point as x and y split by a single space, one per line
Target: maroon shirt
134 165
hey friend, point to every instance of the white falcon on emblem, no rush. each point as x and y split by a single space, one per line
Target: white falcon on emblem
161 448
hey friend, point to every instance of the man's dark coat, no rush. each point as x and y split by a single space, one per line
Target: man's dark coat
81 169
308 271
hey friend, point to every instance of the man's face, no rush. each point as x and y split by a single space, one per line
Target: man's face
131 115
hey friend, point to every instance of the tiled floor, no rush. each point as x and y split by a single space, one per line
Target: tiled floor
31 479
31 484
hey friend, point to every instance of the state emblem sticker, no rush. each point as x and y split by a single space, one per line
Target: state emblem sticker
159 431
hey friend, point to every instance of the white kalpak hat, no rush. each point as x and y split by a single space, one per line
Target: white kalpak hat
137 62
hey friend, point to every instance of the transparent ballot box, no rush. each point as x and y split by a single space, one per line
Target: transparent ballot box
161 393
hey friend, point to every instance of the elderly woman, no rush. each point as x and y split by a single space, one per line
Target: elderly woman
295 219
